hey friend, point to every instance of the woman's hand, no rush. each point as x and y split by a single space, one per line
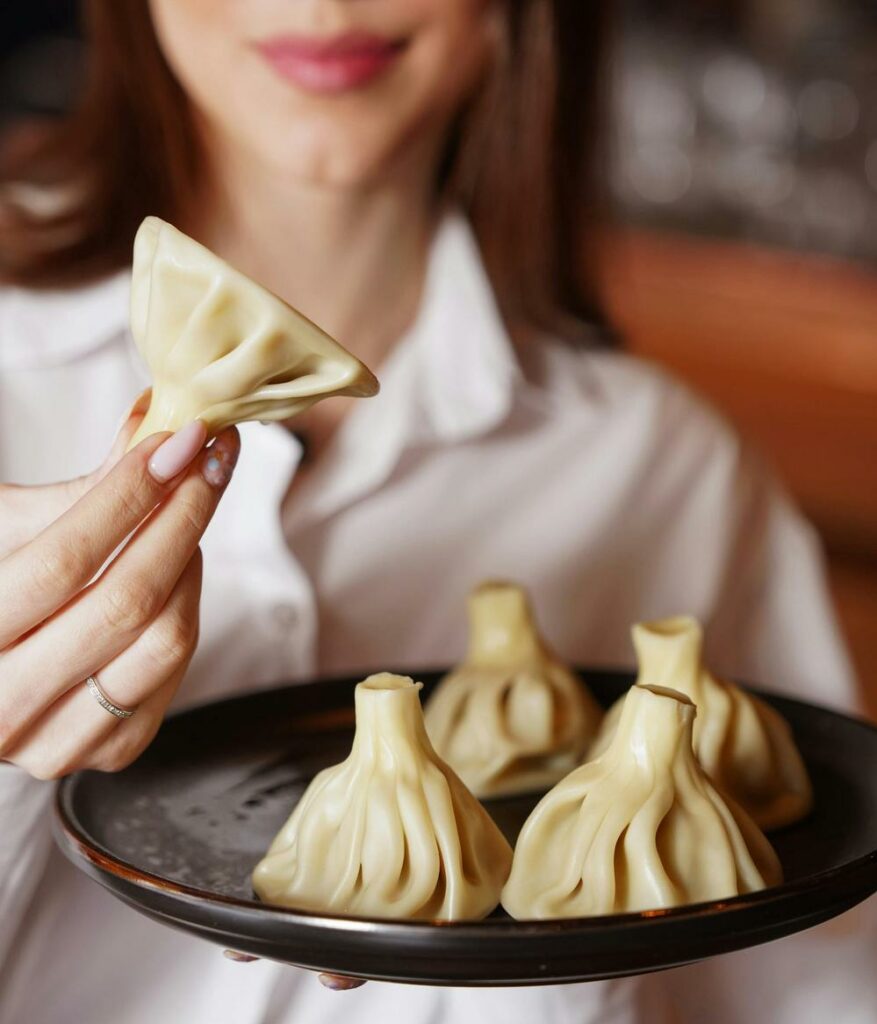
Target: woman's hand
136 522
336 982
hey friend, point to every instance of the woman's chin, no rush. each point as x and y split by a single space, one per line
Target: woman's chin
334 164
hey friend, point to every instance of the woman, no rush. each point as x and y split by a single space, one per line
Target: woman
418 176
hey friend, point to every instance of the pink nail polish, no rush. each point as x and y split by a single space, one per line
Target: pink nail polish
177 452
220 461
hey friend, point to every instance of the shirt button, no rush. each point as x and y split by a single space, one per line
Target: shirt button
285 615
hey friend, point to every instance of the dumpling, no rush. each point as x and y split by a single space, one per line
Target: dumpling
640 828
512 717
221 348
391 832
745 747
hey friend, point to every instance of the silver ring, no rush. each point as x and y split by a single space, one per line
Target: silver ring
104 701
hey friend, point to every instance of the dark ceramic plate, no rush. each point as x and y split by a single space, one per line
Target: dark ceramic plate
177 834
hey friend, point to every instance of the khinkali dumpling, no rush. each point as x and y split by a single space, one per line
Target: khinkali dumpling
221 348
640 828
390 832
745 747
512 717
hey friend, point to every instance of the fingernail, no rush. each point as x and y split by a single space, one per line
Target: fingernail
338 983
177 451
220 460
240 958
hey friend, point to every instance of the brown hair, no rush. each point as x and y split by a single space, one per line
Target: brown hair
525 162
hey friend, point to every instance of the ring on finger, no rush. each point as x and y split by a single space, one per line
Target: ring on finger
105 702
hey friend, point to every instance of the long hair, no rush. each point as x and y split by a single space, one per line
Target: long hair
525 162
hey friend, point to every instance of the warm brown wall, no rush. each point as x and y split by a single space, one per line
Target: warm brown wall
787 346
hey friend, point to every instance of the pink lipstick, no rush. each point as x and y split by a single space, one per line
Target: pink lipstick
330 65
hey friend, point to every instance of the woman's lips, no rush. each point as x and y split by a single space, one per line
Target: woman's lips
330 65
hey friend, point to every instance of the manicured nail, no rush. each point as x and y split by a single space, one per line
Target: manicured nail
240 958
338 983
221 458
177 451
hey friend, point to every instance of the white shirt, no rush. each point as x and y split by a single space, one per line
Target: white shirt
593 478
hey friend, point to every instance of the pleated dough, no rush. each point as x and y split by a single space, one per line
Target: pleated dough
512 717
745 747
220 347
640 828
391 832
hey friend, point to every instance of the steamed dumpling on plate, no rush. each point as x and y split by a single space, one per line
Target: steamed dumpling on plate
640 828
512 717
744 745
391 832
220 347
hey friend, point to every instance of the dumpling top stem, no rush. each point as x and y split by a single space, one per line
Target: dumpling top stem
668 650
670 654
654 732
389 721
502 630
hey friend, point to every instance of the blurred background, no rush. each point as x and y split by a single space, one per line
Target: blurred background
745 173
744 169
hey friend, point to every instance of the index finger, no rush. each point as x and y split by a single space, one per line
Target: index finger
43 575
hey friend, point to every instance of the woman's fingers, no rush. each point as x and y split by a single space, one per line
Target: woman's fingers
129 594
44 574
130 738
336 982
111 613
28 510
340 982
76 732
164 647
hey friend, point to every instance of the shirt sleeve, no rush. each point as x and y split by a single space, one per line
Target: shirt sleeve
25 841
774 624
